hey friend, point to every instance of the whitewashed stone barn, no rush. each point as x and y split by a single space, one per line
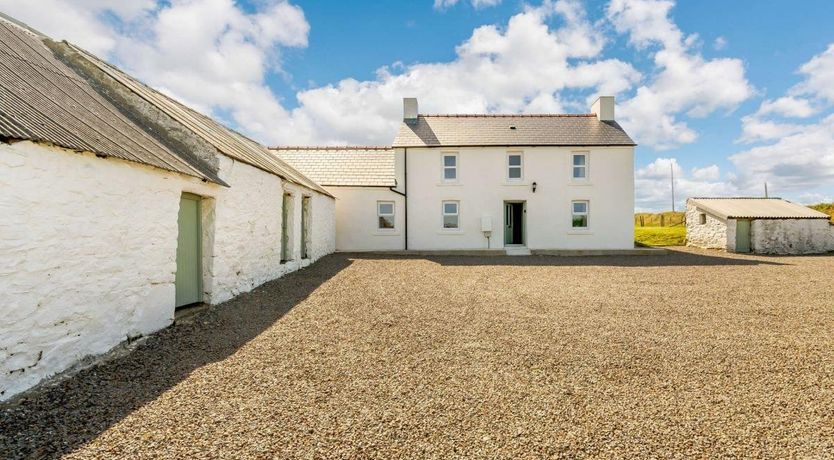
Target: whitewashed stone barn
119 204
369 209
757 225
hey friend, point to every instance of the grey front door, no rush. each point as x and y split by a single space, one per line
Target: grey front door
188 280
742 236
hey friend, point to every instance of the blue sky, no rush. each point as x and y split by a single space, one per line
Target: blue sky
732 93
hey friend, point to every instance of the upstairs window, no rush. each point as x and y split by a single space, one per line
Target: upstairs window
451 215
450 167
580 166
579 214
385 215
702 219
514 166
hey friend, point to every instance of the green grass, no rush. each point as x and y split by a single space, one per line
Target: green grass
660 236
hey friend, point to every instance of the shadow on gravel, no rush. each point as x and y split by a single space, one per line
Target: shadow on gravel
56 420
674 258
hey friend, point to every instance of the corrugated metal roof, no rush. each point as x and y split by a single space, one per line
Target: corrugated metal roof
755 208
509 130
343 166
226 140
41 99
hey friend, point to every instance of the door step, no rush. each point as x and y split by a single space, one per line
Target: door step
519 251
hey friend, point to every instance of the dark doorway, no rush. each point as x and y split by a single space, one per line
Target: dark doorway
514 222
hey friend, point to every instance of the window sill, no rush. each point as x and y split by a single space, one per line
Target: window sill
515 184
580 232
579 183
388 233
449 184
449 232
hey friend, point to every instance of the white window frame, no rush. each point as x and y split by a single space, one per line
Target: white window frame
444 214
586 167
519 166
587 214
443 167
392 215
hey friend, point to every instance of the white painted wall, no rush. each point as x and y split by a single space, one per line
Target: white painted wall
482 189
88 250
356 219
710 235
790 236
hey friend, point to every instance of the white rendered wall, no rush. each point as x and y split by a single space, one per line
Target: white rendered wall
790 236
357 221
88 250
711 235
482 189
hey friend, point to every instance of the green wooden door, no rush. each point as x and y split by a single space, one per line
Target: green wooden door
742 236
188 281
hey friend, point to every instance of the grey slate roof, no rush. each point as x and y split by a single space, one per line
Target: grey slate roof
343 166
756 208
497 130
41 99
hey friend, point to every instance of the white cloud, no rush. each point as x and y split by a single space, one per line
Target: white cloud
799 158
796 163
653 184
444 4
522 67
819 76
719 44
684 83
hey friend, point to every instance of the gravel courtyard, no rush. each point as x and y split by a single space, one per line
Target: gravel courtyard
691 354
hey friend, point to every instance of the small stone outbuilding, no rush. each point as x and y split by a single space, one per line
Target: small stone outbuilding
757 225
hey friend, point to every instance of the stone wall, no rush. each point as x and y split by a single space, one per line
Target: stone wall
88 250
790 236
712 235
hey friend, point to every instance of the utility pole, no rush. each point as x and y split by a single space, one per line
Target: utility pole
766 189
672 170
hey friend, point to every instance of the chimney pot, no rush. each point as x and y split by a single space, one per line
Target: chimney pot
409 108
603 107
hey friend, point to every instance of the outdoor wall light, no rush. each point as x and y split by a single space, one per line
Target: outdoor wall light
534 187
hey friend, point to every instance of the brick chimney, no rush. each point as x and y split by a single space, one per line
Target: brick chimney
409 108
603 107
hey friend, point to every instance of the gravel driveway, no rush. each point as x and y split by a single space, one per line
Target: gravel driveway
692 354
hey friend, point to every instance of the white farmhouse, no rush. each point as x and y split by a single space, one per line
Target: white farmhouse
757 225
120 204
478 182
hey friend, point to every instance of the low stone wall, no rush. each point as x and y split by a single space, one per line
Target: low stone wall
710 235
790 236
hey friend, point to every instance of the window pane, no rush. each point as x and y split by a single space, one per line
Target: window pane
579 160
450 173
450 208
580 207
386 221
580 221
386 208
515 160
515 172
450 160
578 172
450 221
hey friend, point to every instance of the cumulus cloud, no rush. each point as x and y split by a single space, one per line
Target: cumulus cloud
795 158
684 81
653 184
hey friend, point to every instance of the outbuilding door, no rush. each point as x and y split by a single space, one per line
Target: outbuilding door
189 277
742 235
